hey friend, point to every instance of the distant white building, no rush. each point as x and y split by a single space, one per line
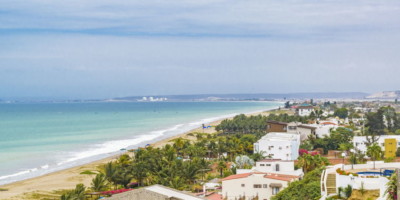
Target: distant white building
276 166
304 110
255 184
284 146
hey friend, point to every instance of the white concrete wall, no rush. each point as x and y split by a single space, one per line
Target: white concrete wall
284 146
232 189
359 141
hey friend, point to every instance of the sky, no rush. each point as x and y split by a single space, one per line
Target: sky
104 49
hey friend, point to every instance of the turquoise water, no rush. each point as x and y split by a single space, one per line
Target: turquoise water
40 138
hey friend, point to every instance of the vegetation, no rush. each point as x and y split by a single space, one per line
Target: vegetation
375 152
340 137
306 189
181 165
77 194
391 190
342 113
310 161
242 124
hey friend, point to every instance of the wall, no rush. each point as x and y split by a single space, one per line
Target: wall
233 189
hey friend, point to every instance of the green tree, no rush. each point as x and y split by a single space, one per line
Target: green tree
99 183
110 172
306 189
77 194
342 113
375 152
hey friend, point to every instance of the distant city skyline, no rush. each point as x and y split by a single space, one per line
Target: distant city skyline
103 49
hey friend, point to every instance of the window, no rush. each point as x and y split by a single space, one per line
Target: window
262 165
287 147
265 185
292 127
257 186
243 185
268 165
277 167
280 148
275 190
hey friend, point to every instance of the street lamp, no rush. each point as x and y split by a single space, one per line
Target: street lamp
343 155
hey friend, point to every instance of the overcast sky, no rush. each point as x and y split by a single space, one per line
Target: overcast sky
101 49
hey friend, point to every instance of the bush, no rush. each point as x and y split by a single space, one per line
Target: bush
306 189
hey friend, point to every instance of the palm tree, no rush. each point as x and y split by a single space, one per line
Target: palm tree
77 194
99 183
220 167
258 156
391 190
110 171
374 151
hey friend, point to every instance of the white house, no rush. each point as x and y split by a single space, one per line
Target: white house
324 128
304 110
256 184
360 142
284 146
276 166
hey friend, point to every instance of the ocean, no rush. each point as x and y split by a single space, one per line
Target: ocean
39 138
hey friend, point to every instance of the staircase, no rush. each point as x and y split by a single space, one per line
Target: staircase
331 184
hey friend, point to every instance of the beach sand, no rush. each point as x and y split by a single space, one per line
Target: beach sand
68 178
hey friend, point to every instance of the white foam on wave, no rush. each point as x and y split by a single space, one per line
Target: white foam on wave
117 145
18 173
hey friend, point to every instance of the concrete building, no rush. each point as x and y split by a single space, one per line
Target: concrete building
388 143
276 166
256 184
284 146
154 192
304 110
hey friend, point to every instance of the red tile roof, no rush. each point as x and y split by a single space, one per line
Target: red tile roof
328 123
282 177
236 176
214 196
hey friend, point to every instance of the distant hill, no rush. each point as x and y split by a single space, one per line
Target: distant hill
261 96
385 95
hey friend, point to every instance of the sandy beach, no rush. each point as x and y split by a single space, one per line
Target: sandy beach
47 185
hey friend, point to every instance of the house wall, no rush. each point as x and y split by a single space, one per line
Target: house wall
359 142
232 189
271 127
390 147
284 149
271 166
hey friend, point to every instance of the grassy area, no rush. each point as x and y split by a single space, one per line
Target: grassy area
368 195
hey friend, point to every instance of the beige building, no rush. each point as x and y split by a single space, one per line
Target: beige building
255 184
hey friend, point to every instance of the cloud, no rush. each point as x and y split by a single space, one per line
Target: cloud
98 48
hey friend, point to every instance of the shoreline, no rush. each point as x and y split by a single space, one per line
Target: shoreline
69 177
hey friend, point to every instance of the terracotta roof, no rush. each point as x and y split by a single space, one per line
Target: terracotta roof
282 177
328 123
236 176
214 196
